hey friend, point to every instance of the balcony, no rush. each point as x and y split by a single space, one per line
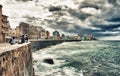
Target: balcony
4 20
5 32
5 26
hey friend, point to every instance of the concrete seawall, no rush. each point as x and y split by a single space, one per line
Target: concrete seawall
39 44
16 60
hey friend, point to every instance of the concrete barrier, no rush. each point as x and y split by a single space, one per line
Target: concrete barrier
39 44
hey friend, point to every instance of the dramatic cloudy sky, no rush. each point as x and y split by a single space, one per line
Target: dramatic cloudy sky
99 17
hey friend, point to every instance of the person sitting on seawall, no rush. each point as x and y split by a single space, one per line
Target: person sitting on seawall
22 39
12 40
26 38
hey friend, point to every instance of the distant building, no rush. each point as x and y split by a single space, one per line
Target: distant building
18 32
68 38
24 28
43 34
47 35
35 32
38 31
91 37
63 37
75 38
56 35
78 37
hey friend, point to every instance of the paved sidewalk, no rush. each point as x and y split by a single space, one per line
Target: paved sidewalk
7 47
4 44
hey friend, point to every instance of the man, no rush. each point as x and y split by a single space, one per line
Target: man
12 40
22 39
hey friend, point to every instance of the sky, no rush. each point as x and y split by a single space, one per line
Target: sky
98 17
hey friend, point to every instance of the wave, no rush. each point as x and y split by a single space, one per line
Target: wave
88 58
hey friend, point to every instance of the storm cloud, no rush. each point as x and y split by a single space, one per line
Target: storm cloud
98 17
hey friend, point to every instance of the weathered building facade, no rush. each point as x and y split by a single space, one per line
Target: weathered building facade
1 37
43 34
34 32
24 28
4 26
47 35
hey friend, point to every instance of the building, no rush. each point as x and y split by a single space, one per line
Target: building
18 32
91 37
24 28
56 35
38 31
47 35
1 37
34 32
14 32
43 34
63 36
75 38
5 27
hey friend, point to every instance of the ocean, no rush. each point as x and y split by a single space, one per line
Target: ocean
85 58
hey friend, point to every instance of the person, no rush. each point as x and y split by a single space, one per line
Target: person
12 40
22 39
26 38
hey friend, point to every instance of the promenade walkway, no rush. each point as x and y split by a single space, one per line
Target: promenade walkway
7 47
4 44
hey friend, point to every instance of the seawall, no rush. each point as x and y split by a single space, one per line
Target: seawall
39 44
16 60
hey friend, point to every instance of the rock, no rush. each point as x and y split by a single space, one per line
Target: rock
49 61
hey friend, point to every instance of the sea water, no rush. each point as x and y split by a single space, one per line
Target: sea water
85 58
